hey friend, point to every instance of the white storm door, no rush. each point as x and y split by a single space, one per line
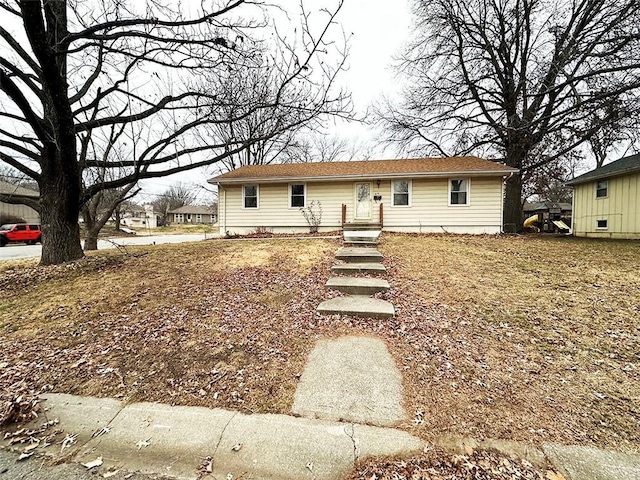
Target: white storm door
363 201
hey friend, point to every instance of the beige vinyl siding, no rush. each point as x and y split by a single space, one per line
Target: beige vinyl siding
273 206
621 208
429 210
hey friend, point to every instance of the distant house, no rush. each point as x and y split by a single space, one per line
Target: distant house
140 216
192 214
606 201
455 195
16 193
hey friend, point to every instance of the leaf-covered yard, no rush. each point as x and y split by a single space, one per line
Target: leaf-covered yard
522 338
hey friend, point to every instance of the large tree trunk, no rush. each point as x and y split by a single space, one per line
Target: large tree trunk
59 197
512 215
513 204
60 180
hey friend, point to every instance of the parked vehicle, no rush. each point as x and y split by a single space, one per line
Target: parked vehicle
28 233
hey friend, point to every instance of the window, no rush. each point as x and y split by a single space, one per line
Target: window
189 217
179 218
401 193
198 218
602 224
21 227
250 196
601 188
459 191
297 195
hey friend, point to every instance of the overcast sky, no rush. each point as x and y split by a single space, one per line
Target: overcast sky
377 30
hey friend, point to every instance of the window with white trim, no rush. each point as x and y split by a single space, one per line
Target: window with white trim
250 196
602 224
297 195
198 218
602 188
179 218
401 193
458 191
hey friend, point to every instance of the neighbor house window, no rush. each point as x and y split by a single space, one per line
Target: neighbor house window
179 218
602 224
297 194
602 188
198 218
401 193
459 191
250 196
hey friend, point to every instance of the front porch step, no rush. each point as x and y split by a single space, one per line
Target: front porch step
357 306
368 237
361 226
358 267
359 255
357 285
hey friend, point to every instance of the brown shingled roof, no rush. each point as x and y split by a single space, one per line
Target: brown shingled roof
378 168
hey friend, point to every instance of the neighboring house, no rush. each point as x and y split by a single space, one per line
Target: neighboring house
192 214
606 201
140 216
457 195
18 210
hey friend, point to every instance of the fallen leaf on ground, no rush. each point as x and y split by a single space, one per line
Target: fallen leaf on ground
143 443
96 463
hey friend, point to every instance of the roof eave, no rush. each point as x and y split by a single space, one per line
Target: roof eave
381 176
579 181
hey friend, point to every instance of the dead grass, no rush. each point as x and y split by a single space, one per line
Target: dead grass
541 338
530 339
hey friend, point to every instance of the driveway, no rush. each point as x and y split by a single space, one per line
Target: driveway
18 250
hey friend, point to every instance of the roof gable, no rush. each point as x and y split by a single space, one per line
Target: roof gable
623 166
376 168
193 209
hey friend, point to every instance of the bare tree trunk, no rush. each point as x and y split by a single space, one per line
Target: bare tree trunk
91 239
59 199
117 219
513 204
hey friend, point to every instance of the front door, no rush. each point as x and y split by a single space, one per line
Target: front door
363 201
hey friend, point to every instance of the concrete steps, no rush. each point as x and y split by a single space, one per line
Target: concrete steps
347 268
358 303
361 237
359 255
357 306
357 285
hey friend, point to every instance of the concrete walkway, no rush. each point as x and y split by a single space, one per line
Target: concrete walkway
351 379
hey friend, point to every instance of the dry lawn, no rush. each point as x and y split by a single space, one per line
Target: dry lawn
530 339
520 337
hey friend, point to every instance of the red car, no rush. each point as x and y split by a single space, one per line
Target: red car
28 233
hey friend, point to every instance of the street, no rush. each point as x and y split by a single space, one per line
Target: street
19 250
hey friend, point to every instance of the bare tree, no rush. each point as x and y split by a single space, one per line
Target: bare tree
316 146
174 197
508 77
68 68
99 210
14 177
